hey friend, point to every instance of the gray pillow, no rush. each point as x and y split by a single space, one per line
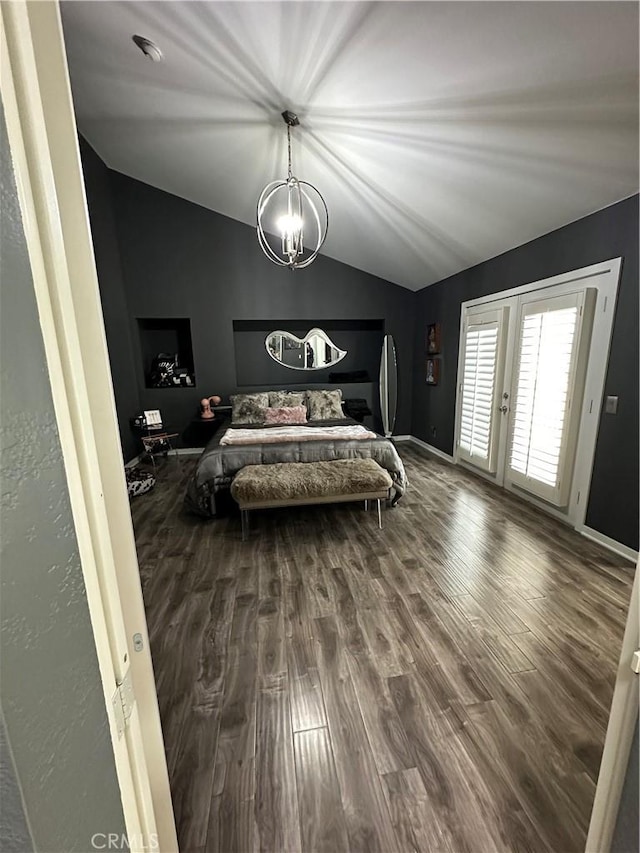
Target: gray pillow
324 405
249 408
286 399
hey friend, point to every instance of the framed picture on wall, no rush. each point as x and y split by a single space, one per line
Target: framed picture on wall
433 338
433 371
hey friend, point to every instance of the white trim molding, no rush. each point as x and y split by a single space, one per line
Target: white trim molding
175 451
617 744
608 542
588 532
436 452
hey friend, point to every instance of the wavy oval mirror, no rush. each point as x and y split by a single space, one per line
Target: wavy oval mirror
313 352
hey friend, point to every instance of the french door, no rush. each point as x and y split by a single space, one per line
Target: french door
483 362
523 363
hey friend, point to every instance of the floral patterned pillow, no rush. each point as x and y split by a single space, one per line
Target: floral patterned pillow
286 399
249 408
286 415
325 405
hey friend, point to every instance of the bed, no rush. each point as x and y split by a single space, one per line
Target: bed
319 441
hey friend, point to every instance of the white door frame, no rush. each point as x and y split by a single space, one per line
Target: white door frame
42 134
605 278
620 731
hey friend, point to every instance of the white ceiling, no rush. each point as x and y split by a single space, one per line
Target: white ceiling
439 133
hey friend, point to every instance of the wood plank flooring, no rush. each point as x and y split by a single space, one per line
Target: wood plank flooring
440 685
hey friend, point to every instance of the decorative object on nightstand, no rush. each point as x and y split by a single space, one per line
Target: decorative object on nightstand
205 404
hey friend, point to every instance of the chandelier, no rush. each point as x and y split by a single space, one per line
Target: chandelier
292 216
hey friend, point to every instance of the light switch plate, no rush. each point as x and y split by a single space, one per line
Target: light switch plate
611 405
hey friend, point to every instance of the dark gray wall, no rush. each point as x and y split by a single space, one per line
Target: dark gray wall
363 347
112 294
609 233
626 836
52 697
181 260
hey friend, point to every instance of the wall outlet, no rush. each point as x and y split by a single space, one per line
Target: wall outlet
611 405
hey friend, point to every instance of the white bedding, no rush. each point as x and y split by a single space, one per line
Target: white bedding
274 435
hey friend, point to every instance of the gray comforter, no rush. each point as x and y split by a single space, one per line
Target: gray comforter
218 464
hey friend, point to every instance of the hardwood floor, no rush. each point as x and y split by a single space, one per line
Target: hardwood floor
440 685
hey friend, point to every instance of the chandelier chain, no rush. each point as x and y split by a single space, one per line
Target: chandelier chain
289 148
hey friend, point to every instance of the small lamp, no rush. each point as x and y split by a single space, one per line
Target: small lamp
206 403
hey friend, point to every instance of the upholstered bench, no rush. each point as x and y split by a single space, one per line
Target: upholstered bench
302 483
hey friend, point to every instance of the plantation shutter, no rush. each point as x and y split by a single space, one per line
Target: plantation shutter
482 357
551 364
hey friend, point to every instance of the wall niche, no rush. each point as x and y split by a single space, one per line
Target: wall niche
362 339
171 335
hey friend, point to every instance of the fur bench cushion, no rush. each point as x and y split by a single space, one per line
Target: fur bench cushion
298 480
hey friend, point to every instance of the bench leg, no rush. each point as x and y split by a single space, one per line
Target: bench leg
379 515
244 520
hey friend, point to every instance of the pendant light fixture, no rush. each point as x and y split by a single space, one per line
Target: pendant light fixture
292 216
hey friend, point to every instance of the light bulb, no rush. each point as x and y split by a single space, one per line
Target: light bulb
290 224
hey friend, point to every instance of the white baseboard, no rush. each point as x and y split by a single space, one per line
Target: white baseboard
607 542
439 453
588 532
177 451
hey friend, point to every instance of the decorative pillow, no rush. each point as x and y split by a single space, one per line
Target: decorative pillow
286 415
249 408
325 405
286 399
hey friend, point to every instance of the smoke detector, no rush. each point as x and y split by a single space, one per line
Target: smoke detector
150 50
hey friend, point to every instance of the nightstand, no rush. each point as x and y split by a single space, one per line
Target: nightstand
157 444
200 431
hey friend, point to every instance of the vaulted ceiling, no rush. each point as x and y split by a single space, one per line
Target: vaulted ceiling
439 133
